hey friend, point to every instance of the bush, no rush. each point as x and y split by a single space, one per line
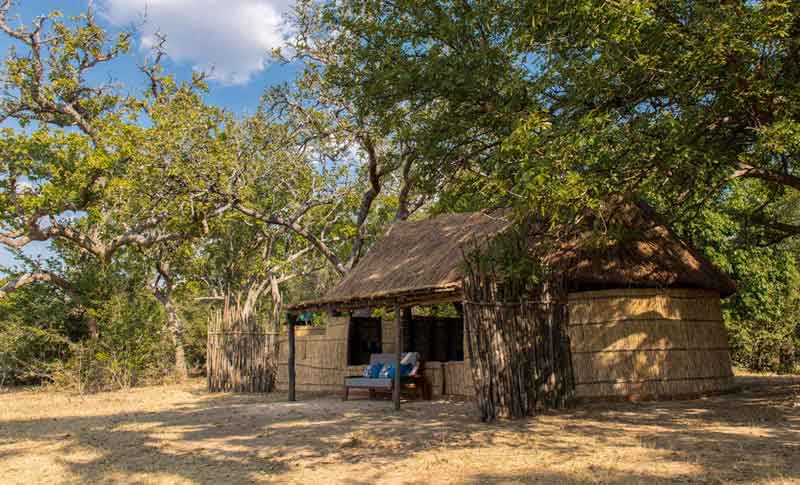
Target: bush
95 366
43 340
133 347
763 318
26 352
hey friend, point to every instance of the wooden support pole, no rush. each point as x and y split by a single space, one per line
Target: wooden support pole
291 319
398 351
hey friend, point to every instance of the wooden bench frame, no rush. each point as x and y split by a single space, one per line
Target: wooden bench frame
414 381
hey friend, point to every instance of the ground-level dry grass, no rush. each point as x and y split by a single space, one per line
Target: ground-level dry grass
181 434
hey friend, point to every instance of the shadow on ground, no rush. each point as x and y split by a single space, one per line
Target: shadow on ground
750 436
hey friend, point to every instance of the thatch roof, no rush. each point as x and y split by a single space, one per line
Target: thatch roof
420 261
414 258
643 254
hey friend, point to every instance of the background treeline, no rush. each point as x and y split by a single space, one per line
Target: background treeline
157 206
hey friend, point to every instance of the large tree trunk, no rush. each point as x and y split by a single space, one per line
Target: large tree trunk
175 327
174 323
277 307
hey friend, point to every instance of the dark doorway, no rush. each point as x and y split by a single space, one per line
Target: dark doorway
364 339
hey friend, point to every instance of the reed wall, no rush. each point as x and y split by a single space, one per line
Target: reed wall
320 357
648 343
636 343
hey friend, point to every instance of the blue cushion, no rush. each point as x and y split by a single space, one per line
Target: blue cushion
388 371
373 371
405 369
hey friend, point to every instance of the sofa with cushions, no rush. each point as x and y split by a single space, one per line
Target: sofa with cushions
379 375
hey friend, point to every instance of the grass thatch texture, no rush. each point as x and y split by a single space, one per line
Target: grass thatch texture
637 251
420 260
414 255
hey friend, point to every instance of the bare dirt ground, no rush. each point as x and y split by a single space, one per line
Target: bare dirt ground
181 434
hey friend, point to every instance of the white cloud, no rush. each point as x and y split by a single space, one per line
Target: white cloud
234 37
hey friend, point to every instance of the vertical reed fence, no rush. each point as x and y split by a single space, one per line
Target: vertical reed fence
519 350
240 357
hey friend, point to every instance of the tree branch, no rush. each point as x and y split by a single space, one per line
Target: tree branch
40 276
785 179
367 199
299 230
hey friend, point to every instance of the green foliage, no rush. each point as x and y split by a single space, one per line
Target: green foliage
133 347
555 107
43 342
34 332
763 317
195 318
44 334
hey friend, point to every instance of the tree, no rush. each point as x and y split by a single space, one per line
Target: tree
300 167
88 165
571 101
762 317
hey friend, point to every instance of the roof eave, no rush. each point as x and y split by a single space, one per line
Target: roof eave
405 297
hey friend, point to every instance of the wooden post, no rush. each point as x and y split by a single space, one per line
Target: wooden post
398 351
290 319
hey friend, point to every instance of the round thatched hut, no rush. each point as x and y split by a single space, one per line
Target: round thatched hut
644 311
642 343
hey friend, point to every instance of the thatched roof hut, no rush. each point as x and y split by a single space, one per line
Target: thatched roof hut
643 308
420 261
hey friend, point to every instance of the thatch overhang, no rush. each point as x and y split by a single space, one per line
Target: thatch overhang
416 262
419 262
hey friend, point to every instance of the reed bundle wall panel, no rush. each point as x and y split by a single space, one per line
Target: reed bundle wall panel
320 358
624 343
458 379
648 343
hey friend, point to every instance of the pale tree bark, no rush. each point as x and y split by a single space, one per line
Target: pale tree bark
375 177
405 206
175 326
302 231
275 321
163 289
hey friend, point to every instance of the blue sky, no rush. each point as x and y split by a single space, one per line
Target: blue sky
231 39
